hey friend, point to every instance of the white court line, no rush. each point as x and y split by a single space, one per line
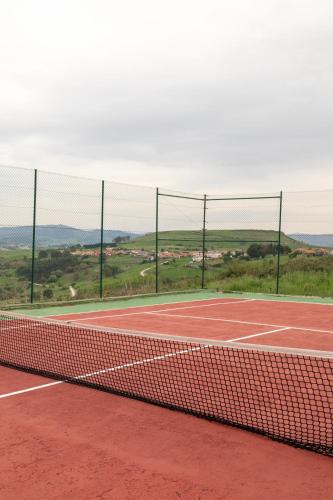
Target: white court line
238 299
286 301
157 310
241 322
206 305
258 334
44 386
107 370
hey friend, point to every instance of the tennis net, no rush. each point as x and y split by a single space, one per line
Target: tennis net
284 394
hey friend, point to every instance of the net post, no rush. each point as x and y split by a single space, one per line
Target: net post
204 241
279 248
156 243
101 253
33 250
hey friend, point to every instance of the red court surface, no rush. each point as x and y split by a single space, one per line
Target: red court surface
65 441
285 324
71 442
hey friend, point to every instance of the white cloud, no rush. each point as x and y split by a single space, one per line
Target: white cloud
193 95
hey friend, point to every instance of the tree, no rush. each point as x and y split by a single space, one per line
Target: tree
48 293
255 251
43 254
55 253
111 271
59 262
120 239
270 249
285 249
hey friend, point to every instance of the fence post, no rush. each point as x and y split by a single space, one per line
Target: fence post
156 244
33 251
279 248
101 253
204 242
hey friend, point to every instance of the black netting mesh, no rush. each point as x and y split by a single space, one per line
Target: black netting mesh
283 394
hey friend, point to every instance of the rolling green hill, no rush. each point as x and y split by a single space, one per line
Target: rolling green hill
215 239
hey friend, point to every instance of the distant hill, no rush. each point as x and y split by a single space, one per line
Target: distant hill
226 238
319 240
55 236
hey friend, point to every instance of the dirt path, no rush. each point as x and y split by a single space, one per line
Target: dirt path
143 272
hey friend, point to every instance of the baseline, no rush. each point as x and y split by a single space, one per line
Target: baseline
148 306
91 318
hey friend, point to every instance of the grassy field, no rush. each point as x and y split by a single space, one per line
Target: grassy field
11 286
122 277
299 275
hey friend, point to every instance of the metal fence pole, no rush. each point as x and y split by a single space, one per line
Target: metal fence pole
279 248
33 251
156 244
204 242
101 253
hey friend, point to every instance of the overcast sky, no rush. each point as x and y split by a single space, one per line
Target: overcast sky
195 95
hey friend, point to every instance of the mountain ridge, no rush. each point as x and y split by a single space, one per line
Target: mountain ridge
321 240
54 235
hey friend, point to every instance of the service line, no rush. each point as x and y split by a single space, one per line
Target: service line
206 318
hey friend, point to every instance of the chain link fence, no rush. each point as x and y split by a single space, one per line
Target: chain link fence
243 242
67 238
16 227
128 255
179 241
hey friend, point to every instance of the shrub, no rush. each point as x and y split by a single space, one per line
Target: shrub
43 254
111 271
48 293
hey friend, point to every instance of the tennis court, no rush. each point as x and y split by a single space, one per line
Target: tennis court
260 365
285 324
